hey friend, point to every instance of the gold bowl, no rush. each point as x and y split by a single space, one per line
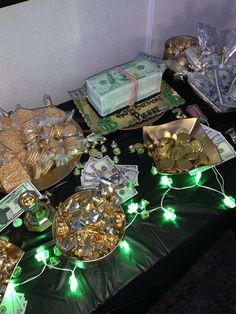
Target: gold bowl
89 226
175 46
180 146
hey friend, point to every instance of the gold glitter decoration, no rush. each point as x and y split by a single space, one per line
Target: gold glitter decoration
89 225
10 255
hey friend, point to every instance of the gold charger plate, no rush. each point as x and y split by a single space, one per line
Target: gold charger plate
56 174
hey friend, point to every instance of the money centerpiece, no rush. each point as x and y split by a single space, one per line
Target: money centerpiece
180 146
112 89
90 224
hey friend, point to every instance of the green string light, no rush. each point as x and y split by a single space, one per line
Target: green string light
229 201
154 170
124 245
144 214
54 261
56 251
132 208
17 222
143 204
166 181
80 264
41 255
73 283
17 272
169 214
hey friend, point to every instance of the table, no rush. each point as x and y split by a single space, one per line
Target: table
159 251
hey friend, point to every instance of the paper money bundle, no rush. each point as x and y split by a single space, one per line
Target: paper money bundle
111 90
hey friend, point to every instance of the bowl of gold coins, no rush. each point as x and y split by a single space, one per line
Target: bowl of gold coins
180 146
89 225
174 51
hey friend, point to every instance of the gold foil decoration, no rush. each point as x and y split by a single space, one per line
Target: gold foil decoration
10 255
89 225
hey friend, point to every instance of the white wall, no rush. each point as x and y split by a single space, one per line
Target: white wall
180 17
51 46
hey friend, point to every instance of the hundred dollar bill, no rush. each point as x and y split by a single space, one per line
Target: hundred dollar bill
111 90
9 206
105 168
225 149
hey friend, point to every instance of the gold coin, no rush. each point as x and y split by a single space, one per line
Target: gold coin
182 130
163 141
93 152
150 145
167 163
171 142
167 134
174 137
202 159
192 156
177 152
188 149
183 164
162 149
197 146
183 138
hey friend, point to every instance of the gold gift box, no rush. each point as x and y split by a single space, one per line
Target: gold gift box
195 131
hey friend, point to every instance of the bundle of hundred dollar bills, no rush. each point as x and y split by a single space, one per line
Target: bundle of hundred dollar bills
111 90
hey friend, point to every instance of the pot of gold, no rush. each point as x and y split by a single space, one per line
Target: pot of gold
174 51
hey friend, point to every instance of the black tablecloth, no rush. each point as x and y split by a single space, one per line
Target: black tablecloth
159 250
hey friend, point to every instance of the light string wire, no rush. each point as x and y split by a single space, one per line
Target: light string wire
72 271
219 179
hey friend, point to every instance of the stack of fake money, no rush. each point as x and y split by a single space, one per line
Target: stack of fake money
112 89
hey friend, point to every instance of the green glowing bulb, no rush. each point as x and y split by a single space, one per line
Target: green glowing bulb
54 261
144 214
73 283
17 222
229 201
170 214
17 272
198 177
132 208
4 238
154 171
56 251
124 245
166 181
42 255
144 203
80 264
